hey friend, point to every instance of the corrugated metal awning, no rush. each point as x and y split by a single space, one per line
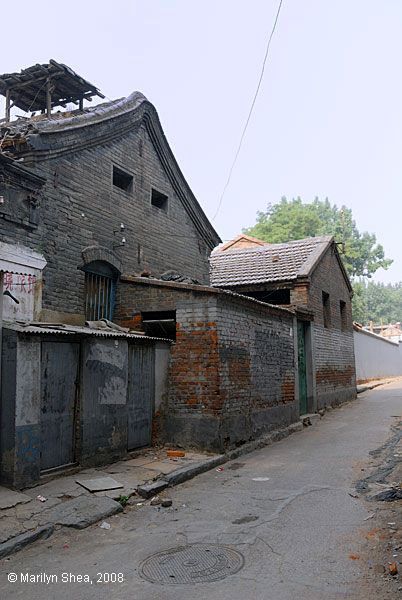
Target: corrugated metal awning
60 329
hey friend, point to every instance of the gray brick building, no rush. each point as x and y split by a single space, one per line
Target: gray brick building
307 275
98 192
85 197
96 213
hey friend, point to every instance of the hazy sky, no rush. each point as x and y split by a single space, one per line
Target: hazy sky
328 121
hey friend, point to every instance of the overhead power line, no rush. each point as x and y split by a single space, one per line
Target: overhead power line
250 111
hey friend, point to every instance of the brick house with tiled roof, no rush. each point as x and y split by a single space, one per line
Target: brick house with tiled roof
307 275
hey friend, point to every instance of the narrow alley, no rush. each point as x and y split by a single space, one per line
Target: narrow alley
292 520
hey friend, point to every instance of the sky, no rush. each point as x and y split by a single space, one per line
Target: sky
327 121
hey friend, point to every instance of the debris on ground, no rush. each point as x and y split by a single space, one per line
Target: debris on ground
155 501
389 495
105 525
393 569
41 498
166 502
260 479
370 516
220 469
175 453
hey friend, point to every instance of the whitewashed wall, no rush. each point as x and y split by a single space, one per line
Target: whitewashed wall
375 356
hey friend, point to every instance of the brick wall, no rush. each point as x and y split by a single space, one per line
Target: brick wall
232 370
331 366
333 345
22 194
257 369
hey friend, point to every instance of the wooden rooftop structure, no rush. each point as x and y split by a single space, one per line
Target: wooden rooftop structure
43 87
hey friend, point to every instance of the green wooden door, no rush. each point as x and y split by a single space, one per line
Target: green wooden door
301 352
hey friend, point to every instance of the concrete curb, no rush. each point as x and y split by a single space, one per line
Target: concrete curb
186 473
364 387
20 541
77 513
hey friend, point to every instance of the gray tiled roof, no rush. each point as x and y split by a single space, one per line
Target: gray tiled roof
266 264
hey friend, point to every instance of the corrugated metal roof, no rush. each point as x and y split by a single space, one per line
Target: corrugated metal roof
77 330
266 264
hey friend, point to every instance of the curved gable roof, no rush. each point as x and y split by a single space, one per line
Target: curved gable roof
39 139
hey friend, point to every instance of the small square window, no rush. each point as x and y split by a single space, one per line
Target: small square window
344 320
122 180
326 309
160 323
159 200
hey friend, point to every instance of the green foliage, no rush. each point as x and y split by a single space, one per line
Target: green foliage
295 220
377 302
123 500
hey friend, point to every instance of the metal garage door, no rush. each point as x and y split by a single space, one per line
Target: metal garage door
59 382
141 386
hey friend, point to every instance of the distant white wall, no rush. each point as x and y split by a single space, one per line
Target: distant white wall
375 356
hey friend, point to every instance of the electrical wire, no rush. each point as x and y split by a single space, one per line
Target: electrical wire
250 111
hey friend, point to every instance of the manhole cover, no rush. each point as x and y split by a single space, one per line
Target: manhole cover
196 563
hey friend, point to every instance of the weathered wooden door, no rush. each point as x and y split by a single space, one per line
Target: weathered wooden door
59 367
301 348
141 391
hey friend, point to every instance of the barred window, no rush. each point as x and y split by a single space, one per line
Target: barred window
100 291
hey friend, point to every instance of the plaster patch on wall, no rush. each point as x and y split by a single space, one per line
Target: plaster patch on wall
27 409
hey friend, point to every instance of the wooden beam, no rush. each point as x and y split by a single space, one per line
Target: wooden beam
48 98
7 105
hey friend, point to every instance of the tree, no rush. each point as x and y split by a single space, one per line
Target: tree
377 302
295 220
359 302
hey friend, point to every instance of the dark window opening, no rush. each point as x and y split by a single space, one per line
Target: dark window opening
344 321
100 291
159 200
326 309
160 323
272 297
33 212
122 180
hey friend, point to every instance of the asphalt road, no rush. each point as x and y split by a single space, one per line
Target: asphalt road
287 509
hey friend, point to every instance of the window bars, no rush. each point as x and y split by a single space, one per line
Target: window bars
99 297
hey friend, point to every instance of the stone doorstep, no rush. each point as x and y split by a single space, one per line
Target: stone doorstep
85 510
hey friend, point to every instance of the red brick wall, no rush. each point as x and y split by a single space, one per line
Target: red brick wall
232 373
